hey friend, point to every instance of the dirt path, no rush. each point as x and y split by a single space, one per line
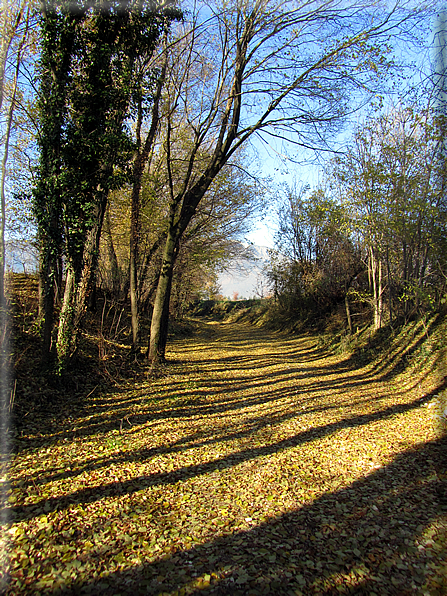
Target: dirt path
257 465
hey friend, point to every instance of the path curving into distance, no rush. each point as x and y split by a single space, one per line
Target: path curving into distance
256 463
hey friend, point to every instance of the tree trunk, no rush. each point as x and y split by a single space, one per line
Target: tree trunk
390 295
144 269
373 271
141 161
134 245
348 313
3 217
47 302
380 296
3 199
160 314
91 256
65 345
77 292
41 297
134 304
56 65
376 278
111 255
165 318
7 138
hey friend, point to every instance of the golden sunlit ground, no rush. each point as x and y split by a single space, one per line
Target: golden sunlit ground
254 464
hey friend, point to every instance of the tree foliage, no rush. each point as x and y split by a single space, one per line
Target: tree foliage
213 237
393 184
315 259
289 71
126 99
386 200
87 79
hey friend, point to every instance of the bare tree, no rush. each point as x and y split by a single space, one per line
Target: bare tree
274 70
392 184
15 38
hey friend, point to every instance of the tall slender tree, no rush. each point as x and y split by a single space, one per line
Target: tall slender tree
143 149
15 34
290 71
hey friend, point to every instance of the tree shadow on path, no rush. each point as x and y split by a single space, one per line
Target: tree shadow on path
96 493
369 538
365 539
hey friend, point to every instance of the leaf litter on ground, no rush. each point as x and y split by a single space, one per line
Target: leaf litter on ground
256 464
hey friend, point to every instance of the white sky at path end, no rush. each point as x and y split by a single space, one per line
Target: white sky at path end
263 234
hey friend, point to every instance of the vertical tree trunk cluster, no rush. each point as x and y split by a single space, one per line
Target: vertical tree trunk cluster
78 286
89 81
90 85
56 58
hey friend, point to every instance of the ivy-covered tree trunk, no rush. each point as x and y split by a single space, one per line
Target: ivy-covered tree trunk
87 90
58 34
91 256
64 345
46 274
78 286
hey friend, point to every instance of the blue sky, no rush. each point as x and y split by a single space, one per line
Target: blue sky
275 164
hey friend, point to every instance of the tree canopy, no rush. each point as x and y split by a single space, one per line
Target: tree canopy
146 113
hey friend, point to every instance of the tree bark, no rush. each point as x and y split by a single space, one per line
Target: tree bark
164 327
141 161
78 286
388 275
133 265
380 296
160 314
47 301
348 314
111 255
65 343
3 55
90 262
376 279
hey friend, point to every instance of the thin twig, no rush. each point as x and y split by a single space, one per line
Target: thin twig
96 386
124 418
117 325
36 487
13 394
